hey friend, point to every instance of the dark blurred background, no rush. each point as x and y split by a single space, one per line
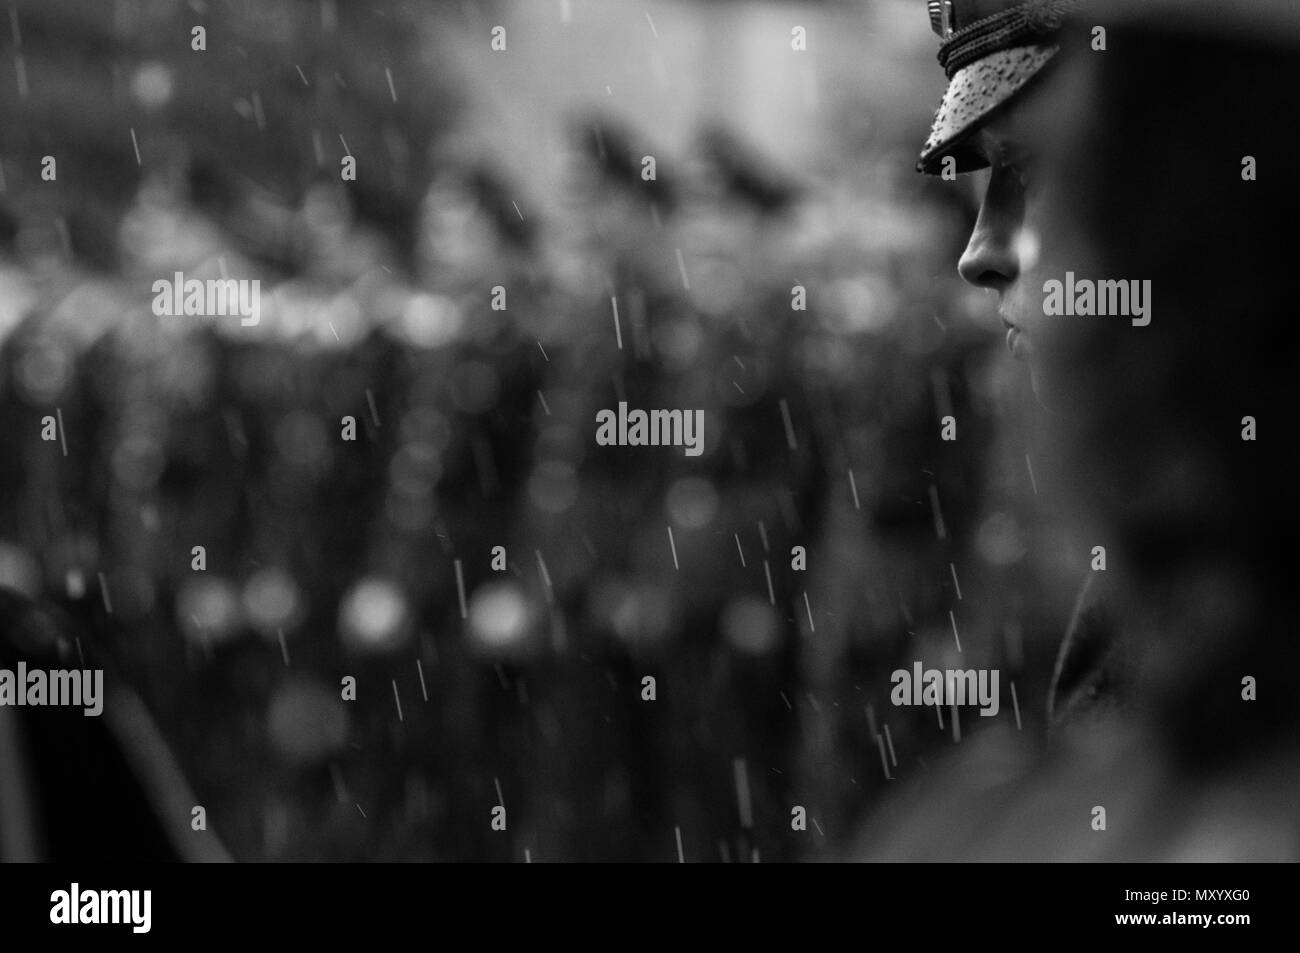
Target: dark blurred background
775 168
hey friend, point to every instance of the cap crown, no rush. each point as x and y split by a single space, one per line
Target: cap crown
948 16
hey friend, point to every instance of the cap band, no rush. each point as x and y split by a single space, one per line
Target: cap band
1018 26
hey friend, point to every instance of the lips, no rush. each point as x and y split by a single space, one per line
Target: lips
1018 343
1017 340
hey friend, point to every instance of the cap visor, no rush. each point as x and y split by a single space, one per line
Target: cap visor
975 92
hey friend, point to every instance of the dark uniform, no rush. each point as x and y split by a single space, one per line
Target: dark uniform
76 788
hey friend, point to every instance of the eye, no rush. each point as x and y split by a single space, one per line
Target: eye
1009 177
1018 169
1020 172
1014 162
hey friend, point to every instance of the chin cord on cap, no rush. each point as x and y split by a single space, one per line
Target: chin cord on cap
1018 26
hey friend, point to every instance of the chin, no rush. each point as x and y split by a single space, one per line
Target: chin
1040 384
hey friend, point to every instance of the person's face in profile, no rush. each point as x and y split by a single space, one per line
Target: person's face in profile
1004 254
1030 229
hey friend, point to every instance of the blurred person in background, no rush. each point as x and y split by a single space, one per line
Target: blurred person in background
1174 728
327 557
77 788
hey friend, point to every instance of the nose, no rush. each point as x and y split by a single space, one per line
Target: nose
990 259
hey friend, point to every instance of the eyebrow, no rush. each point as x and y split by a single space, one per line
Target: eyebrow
1001 149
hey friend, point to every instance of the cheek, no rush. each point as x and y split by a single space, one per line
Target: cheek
1035 254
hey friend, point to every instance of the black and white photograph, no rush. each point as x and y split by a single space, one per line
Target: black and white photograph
858 433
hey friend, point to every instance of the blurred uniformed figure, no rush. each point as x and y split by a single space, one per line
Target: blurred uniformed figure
76 788
1143 142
